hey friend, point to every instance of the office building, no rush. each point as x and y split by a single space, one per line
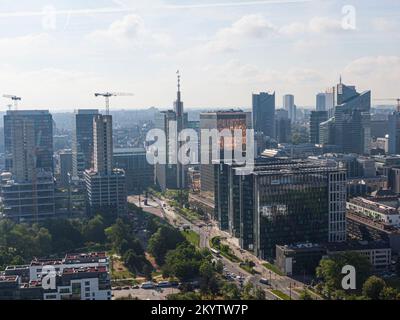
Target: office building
231 120
105 186
28 190
28 137
172 174
264 113
321 102
316 118
166 174
394 133
65 167
303 258
352 120
283 126
138 171
83 141
290 107
327 132
291 201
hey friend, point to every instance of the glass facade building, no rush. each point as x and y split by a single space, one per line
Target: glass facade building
286 202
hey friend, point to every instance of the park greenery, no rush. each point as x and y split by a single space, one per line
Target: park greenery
225 250
368 286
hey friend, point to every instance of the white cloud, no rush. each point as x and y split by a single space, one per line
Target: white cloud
246 28
385 25
325 25
130 30
379 73
317 25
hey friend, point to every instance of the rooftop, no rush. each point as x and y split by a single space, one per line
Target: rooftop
375 206
69 271
85 257
8 279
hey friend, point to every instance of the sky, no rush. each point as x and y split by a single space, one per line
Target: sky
57 54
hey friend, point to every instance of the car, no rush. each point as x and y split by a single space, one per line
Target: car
148 285
135 287
126 288
174 284
264 281
164 284
117 288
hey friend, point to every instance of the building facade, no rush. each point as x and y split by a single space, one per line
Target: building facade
264 113
286 202
83 141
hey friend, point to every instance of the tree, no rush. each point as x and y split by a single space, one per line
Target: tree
305 295
373 288
330 271
209 283
184 262
250 292
164 240
389 294
230 291
93 230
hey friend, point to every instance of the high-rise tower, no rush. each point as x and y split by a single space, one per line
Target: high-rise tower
180 119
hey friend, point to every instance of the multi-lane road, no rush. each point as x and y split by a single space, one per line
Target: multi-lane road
160 208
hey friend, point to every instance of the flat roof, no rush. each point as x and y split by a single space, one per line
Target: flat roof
69 271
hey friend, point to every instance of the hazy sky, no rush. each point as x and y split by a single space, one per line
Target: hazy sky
225 52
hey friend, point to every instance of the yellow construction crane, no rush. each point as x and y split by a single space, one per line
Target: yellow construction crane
15 99
391 99
108 95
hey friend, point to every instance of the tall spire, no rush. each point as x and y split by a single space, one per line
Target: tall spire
178 102
340 81
179 80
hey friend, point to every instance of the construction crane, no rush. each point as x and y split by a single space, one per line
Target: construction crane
15 99
391 99
108 95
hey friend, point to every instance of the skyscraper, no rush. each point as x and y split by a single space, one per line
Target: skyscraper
321 102
394 133
316 118
231 120
283 126
180 119
289 106
102 144
28 193
172 175
105 186
353 120
264 113
82 153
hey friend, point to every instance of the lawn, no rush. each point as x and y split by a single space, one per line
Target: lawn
192 237
273 268
280 294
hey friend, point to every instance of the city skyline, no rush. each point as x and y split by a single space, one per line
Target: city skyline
225 51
